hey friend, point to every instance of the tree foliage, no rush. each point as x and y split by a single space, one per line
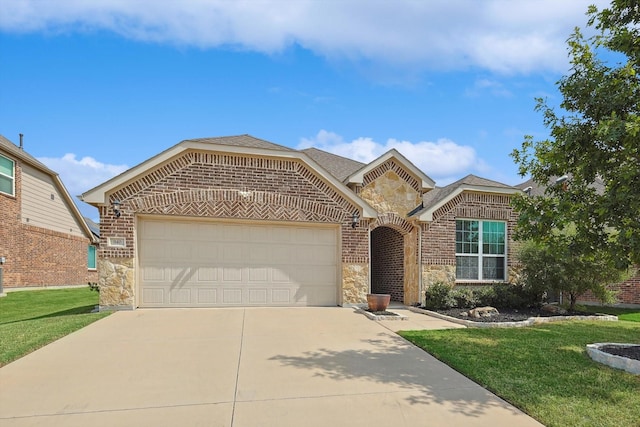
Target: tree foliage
594 138
555 266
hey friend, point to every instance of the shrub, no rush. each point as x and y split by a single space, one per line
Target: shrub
464 298
438 297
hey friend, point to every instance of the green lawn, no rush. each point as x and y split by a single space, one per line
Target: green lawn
544 370
630 314
32 319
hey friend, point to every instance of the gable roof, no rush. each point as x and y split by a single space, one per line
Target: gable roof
241 141
19 153
338 166
358 176
439 196
244 144
535 189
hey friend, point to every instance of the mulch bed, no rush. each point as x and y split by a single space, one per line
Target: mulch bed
628 352
506 315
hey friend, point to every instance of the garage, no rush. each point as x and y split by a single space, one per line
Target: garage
192 262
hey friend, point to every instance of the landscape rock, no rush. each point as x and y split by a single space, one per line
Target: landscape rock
479 312
552 308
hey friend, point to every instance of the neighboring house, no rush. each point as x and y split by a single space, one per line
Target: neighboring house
239 221
43 239
628 291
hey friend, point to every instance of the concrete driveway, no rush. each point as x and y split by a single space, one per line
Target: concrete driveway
244 367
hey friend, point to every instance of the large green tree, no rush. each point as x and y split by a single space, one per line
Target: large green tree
594 138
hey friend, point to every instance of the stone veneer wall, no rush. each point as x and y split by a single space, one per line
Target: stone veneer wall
394 192
355 282
390 189
411 267
213 185
36 256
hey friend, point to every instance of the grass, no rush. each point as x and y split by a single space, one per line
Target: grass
544 370
32 319
629 314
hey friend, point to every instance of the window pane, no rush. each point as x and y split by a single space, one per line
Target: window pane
92 257
6 185
467 236
6 166
493 237
493 268
467 267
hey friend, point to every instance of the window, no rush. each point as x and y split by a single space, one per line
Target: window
7 176
92 259
480 250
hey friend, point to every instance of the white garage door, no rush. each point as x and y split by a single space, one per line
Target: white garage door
190 263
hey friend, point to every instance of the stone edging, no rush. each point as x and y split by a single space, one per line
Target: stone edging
380 317
529 322
630 365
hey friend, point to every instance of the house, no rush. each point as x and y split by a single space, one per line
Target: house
239 221
628 291
44 240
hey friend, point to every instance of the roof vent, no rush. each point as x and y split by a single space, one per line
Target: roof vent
21 142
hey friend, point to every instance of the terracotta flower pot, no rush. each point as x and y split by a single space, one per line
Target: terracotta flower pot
378 302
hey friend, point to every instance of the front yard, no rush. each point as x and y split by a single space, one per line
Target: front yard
32 319
544 370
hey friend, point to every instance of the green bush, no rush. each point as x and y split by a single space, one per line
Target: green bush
464 298
438 297
441 296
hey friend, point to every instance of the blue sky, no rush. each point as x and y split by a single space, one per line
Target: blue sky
98 87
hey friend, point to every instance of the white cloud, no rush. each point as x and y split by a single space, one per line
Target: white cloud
443 160
495 88
81 175
498 35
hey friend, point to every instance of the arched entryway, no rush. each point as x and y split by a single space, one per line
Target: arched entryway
387 262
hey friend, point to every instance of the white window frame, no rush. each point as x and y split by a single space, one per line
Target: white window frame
480 255
12 178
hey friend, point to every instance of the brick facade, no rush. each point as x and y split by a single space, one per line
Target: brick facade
230 186
35 256
627 292
247 186
387 266
439 236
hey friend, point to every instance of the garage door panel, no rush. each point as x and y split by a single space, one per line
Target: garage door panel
207 274
205 251
204 263
232 296
258 296
180 296
207 296
231 274
259 253
258 274
152 273
152 296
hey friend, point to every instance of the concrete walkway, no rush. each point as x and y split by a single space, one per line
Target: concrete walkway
244 367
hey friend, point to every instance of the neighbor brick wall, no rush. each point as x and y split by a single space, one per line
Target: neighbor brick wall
37 256
628 292
439 236
387 263
233 186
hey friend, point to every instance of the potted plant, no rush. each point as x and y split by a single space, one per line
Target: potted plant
378 302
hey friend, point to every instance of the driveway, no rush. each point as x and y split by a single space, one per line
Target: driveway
243 367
